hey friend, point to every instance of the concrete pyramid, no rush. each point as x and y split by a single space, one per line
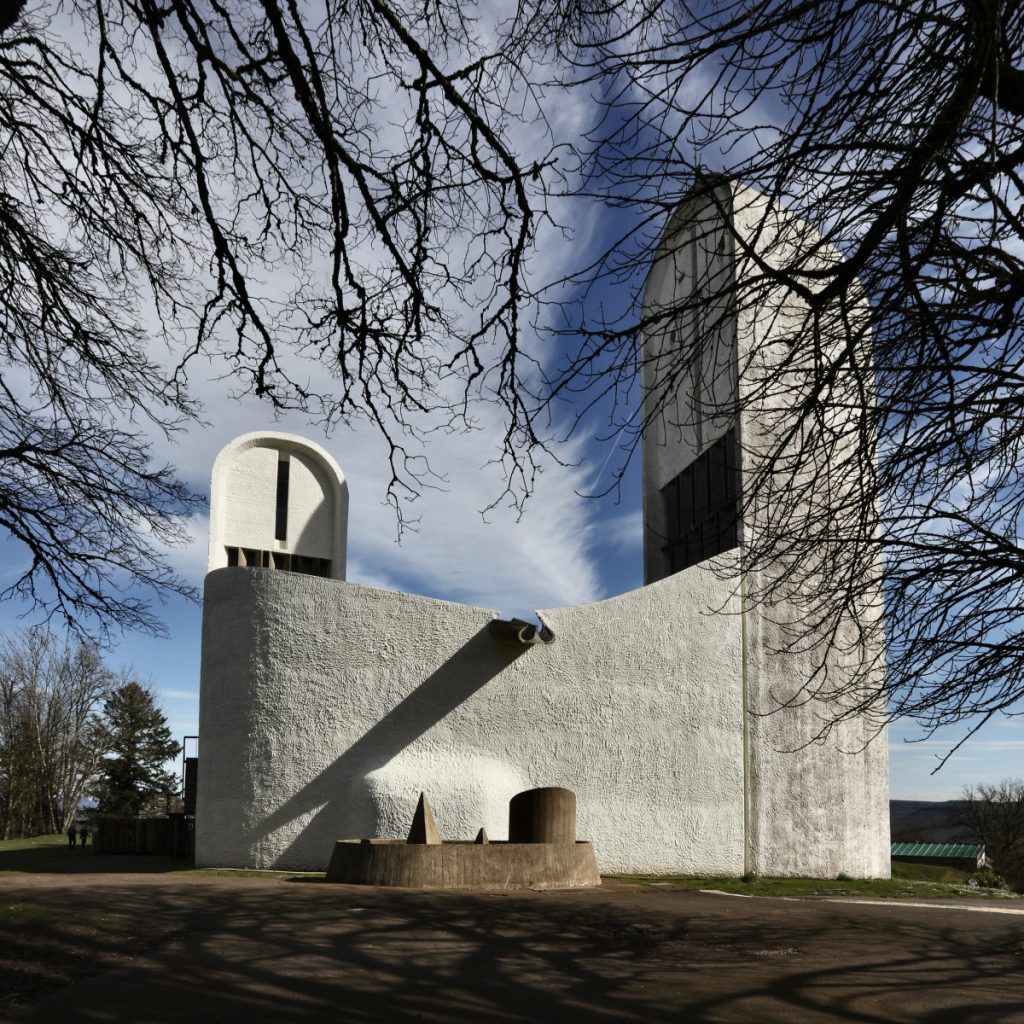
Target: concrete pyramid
424 829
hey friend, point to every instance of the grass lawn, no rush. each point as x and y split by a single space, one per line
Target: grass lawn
51 854
929 873
34 843
40 853
287 876
909 881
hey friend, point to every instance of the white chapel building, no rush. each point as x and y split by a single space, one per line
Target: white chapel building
326 707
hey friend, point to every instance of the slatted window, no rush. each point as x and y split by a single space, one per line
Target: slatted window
702 506
279 560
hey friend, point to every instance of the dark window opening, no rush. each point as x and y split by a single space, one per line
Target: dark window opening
311 566
191 787
253 556
281 519
279 560
702 506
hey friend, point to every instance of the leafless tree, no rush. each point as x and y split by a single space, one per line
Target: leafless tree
259 183
83 208
898 132
994 815
51 741
266 183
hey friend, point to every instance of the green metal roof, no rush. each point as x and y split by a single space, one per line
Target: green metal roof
963 850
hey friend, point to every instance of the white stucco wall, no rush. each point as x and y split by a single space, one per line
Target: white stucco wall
832 790
815 805
243 497
326 708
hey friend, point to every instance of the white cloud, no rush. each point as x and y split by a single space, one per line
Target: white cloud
941 747
624 530
545 558
178 694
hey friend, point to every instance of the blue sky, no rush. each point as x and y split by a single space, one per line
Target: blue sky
566 549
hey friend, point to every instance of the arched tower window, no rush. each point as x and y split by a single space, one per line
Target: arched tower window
278 501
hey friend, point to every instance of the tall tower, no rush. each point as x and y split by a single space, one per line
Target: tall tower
749 461
279 502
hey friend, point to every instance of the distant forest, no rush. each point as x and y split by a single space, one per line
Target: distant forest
926 820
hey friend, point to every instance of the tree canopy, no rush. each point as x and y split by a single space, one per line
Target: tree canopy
136 745
899 134
361 185
51 738
993 813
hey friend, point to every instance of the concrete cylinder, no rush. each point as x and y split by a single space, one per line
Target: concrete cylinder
546 815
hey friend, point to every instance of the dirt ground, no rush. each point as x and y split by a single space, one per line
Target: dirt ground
125 940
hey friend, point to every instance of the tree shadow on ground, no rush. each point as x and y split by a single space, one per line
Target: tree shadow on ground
58 859
264 951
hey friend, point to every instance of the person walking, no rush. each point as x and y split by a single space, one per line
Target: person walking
72 833
83 835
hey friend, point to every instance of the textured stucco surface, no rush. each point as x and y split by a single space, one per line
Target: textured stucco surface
326 707
831 792
243 497
813 807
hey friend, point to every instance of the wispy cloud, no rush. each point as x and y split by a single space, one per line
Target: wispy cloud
178 694
497 560
941 747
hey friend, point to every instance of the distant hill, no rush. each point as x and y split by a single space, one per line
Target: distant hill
924 820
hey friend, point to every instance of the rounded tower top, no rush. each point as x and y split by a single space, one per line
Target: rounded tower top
278 501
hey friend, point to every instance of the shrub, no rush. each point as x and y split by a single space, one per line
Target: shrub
987 880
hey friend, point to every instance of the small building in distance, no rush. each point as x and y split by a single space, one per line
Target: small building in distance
967 856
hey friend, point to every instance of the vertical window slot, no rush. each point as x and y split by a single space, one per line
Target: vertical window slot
281 519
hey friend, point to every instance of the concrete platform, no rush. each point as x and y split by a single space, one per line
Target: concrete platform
464 865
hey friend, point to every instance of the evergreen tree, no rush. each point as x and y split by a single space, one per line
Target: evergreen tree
139 744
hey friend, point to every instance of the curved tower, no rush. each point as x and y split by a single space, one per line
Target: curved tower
278 501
